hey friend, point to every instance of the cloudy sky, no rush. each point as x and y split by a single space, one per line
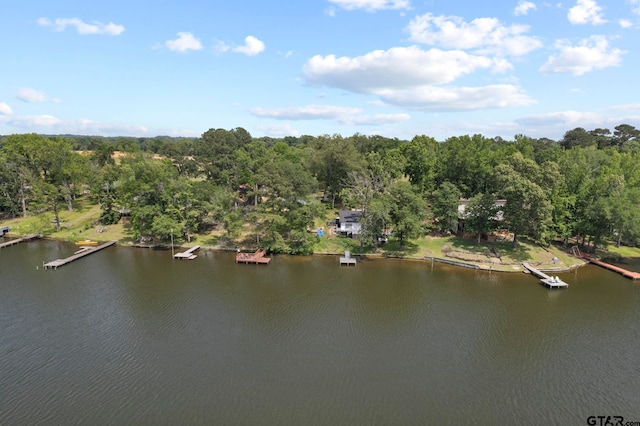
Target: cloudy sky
397 68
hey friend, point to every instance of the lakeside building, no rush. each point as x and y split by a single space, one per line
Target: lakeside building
348 222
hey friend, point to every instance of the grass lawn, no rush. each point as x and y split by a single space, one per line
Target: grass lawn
82 224
77 225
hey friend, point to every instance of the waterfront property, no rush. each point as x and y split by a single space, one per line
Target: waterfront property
258 257
189 254
625 273
19 240
549 281
84 251
347 259
348 222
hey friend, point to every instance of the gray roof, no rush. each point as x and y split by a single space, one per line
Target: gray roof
350 216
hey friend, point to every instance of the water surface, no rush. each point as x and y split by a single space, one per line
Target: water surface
129 336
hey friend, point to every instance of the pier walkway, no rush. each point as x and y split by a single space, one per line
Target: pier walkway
189 254
19 240
84 251
551 282
625 273
575 250
258 257
347 259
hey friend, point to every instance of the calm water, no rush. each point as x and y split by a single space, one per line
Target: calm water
128 336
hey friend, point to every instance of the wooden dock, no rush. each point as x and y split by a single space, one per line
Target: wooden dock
625 273
188 255
347 259
19 240
258 258
84 251
551 282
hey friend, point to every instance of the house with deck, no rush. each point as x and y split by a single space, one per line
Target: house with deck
348 222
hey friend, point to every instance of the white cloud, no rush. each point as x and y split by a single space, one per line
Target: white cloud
34 96
35 122
343 115
567 118
430 98
590 54
374 120
586 12
524 7
185 41
399 67
309 112
372 5
221 46
60 24
252 46
53 125
412 78
5 109
278 130
560 122
636 6
482 34
625 23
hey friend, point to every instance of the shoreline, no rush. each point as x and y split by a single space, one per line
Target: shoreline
479 266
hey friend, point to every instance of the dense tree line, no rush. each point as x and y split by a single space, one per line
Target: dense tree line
586 185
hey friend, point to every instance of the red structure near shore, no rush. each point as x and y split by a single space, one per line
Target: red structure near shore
624 272
258 257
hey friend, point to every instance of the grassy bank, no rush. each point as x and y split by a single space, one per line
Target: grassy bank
82 224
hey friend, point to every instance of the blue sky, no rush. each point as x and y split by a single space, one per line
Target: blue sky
396 68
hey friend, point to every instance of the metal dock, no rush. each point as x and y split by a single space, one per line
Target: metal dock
19 240
84 251
347 259
189 254
551 282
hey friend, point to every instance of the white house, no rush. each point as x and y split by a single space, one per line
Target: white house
348 222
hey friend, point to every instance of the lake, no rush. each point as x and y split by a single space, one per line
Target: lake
131 336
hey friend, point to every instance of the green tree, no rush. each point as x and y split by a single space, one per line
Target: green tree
481 214
407 210
444 205
527 209
421 155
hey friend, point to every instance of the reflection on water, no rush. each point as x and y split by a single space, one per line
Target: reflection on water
131 336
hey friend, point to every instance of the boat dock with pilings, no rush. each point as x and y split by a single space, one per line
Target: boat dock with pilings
19 240
551 282
84 251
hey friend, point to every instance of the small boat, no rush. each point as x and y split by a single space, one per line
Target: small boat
86 243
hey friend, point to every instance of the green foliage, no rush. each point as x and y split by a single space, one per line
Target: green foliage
481 214
445 205
585 186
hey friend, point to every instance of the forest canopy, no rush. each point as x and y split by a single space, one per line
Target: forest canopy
586 185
